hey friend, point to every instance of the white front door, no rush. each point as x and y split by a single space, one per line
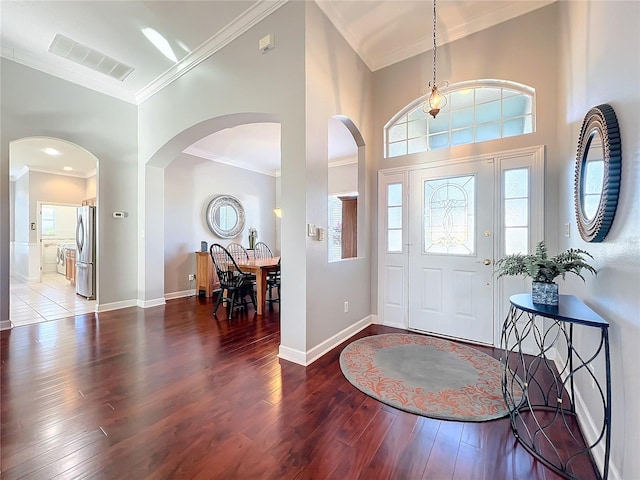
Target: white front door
451 221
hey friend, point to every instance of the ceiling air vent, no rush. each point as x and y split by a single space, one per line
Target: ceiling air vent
88 57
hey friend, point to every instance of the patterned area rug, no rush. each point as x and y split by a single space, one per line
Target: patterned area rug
426 375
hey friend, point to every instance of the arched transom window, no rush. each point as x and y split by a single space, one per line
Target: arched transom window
476 111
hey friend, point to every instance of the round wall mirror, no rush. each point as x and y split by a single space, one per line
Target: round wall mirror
225 216
597 175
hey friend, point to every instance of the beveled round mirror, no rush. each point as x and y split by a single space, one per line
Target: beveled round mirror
225 216
597 174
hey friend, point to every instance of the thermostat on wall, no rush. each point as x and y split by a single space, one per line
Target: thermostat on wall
119 214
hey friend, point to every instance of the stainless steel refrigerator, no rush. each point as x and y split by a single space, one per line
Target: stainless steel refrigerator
86 253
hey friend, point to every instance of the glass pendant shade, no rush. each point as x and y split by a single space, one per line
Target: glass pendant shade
435 102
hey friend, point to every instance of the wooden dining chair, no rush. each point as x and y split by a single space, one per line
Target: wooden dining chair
262 250
236 283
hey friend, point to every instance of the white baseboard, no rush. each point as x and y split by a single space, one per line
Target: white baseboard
5 325
588 426
295 356
151 303
306 359
107 307
182 294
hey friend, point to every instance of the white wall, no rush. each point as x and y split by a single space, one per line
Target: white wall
36 104
190 184
599 63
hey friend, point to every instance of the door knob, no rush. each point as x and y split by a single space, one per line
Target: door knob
486 261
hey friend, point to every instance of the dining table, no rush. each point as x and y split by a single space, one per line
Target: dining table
260 267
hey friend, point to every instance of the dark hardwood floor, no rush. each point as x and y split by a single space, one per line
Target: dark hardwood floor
171 392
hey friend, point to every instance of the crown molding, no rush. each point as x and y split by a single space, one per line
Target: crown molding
199 152
50 171
339 162
338 22
375 61
230 32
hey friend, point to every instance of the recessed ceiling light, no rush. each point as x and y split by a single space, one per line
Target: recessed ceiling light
67 169
52 151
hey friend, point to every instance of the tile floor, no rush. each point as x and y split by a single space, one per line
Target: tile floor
52 299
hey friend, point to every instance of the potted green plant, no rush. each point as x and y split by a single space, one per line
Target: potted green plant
543 270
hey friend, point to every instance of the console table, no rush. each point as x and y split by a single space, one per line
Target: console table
539 392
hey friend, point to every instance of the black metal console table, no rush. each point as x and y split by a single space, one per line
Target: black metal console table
540 397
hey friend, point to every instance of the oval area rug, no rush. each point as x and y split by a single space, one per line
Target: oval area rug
429 376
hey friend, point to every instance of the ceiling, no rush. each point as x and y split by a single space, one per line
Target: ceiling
382 32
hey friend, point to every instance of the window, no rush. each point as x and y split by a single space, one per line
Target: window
516 211
48 218
394 217
476 112
335 228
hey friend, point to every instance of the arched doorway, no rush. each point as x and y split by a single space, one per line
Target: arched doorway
49 179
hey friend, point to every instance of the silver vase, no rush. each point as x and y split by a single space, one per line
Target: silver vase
544 293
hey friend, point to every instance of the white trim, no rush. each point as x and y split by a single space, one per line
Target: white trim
306 359
106 307
151 303
239 25
292 355
339 162
180 294
5 325
201 153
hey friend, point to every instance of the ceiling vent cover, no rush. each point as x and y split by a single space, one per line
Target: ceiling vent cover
88 57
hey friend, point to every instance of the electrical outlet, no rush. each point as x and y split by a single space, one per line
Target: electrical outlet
311 229
567 230
192 277
346 307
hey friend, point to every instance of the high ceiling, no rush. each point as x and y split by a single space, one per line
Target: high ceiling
382 32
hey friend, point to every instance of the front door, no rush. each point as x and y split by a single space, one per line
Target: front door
451 216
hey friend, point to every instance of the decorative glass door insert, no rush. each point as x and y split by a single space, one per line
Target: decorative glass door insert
449 215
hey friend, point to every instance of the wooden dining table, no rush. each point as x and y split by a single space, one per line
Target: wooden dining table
260 267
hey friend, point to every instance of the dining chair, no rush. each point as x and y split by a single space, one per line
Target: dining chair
238 252
273 281
262 250
240 255
236 283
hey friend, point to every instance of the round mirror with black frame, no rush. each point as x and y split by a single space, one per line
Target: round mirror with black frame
597 175
225 216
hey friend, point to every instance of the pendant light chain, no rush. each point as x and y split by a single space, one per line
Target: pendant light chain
434 41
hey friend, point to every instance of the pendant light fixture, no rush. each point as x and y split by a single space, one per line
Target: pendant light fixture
436 100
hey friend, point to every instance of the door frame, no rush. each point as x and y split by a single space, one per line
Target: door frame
531 157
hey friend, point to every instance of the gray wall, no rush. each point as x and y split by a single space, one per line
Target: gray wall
601 65
36 104
237 84
190 184
338 83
